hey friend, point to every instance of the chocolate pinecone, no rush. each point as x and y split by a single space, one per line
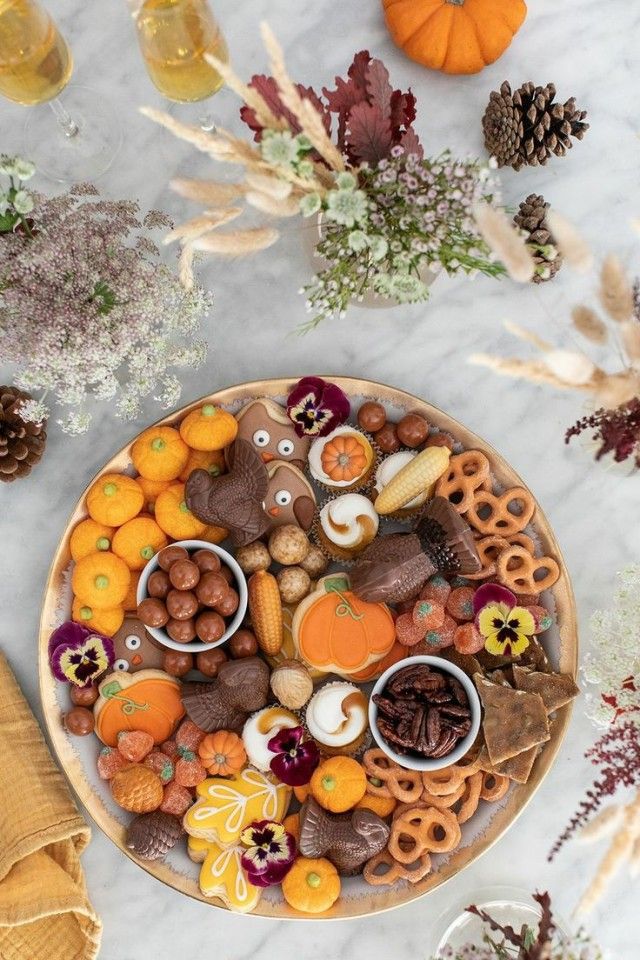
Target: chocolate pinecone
526 126
151 835
531 219
21 443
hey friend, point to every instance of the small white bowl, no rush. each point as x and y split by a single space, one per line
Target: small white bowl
197 646
462 746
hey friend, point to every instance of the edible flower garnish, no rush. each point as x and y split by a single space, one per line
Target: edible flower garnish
270 852
78 655
505 626
316 407
295 759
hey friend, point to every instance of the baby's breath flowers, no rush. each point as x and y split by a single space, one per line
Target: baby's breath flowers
88 309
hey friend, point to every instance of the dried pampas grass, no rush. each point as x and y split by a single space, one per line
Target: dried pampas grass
615 293
237 244
570 242
589 325
505 241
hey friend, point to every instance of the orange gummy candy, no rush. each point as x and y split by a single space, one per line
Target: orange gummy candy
134 745
161 764
189 771
189 736
408 632
436 588
428 614
110 761
176 800
468 639
460 604
441 637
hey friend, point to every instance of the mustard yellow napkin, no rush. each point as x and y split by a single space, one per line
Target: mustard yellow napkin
45 913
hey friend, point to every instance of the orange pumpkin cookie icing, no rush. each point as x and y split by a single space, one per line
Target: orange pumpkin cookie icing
342 460
336 632
148 700
226 805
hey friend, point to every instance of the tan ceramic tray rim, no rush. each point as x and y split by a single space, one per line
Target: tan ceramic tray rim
375 899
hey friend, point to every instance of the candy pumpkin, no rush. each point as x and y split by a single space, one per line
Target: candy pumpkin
336 632
107 622
222 753
130 602
213 534
89 537
159 453
211 460
338 784
311 886
101 580
383 806
152 490
344 458
148 700
114 498
137 541
209 428
455 36
174 517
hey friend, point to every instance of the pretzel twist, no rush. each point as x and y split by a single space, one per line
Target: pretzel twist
404 785
395 870
500 521
517 570
468 471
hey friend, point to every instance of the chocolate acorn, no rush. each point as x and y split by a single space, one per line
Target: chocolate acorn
396 566
240 688
233 500
348 840
151 835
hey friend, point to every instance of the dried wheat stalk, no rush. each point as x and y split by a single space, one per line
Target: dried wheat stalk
620 850
505 241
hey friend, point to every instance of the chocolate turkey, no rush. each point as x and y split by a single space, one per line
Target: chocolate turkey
266 425
347 840
241 688
135 649
290 497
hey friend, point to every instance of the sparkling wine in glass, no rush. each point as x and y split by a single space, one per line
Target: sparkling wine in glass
174 37
70 140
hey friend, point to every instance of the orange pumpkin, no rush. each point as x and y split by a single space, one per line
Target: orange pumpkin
137 541
130 602
152 490
174 517
312 885
222 753
107 622
336 632
101 580
292 826
209 428
148 700
89 537
214 534
383 806
338 784
159 453
455 36
211 460
344 458
114 498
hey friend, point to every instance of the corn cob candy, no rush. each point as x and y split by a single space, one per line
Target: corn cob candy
419 475
265 609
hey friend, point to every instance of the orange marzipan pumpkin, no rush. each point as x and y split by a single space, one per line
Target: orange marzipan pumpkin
343 458
222 753
455 36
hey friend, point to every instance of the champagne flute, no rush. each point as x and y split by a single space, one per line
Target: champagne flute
69 141
174 36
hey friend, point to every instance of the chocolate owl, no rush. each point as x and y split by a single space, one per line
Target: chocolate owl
348 840
267 426
290 497
135 649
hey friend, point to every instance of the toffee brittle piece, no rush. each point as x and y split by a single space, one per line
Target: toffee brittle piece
514 720
555 689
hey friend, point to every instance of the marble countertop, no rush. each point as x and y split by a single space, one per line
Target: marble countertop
588 52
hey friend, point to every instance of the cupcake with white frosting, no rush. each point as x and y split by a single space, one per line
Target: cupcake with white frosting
387 470
343 460
346 525
336 717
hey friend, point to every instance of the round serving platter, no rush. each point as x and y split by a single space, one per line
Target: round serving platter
77 754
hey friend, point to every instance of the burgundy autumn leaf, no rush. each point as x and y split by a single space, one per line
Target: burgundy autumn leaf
379 90
357 72
403 108
268 88
410 143
369 135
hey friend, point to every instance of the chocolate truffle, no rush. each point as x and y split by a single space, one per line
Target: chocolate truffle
412 430
372 416
169 555
182 631
387 438
177 662
158 584
184 574
229 603
206 560
181 604
210 626
243 644
227 574
84 696
79 721
211 589
210 661
153 612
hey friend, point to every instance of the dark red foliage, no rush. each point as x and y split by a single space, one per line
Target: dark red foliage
616 431
617 754
372 116
546 929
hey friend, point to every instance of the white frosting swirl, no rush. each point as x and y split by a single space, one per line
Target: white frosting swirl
337 714
349 521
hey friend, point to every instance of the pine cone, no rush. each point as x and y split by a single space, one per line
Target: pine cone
531 218
151 835
527 126
21 443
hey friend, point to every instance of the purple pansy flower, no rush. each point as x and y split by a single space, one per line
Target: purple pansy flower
316 407
78 655
270 852
295 759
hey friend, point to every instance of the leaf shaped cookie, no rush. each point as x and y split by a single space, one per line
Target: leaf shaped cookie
221 875
226 805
